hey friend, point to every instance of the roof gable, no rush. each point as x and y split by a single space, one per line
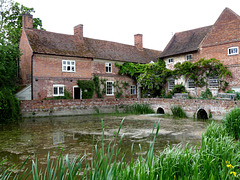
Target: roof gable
45 42
226 29
184 42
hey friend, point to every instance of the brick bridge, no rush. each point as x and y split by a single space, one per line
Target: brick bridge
193 107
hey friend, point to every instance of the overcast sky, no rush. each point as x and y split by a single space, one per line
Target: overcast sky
119 20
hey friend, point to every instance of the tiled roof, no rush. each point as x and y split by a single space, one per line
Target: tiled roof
69 45
184 42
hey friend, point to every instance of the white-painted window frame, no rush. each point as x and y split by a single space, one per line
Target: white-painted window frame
59 87
189 57
170 60
170 86
68 66
133 90
112 90
108 67
190 84
233 51
213 82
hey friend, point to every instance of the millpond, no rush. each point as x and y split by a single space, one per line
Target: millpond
37 137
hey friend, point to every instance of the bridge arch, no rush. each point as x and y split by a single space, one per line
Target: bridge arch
160 111
202 114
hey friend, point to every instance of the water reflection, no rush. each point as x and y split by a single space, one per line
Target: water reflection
58 138
74 135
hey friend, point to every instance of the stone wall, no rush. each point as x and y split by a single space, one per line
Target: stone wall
215 108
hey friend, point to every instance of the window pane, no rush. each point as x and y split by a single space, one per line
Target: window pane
60 90
64 68
55 90
68 62
109 88
110 69
72 68
68 68
64 62
72 62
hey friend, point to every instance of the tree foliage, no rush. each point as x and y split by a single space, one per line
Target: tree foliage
10 32
11 20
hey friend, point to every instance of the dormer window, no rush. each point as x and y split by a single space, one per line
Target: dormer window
233 51
68 66
189 57
170 60
108 67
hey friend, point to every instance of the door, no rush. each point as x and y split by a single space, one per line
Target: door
77 93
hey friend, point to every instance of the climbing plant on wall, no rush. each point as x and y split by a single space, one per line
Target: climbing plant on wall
87 87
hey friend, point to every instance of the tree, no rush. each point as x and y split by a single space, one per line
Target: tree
11 20
10 32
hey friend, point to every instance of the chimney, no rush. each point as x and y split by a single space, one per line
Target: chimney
138 41
78 31
27 21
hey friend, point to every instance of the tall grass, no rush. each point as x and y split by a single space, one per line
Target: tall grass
214 158
178 112
232 123
138 109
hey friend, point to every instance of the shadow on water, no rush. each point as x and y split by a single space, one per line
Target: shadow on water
74 135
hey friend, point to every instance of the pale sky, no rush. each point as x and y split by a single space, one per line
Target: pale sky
119 20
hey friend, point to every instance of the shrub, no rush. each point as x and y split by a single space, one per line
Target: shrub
9 106
206 94
177 111
179 88
232 123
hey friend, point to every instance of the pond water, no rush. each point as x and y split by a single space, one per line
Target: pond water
74 135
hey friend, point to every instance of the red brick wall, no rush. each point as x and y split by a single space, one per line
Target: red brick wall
218 108
100 70
48 71
25 60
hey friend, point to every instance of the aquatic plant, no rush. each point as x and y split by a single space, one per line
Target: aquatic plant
217 158
177 111
138 109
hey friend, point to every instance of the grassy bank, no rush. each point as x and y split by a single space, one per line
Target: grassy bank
217 157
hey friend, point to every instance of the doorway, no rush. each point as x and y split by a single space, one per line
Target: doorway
77 93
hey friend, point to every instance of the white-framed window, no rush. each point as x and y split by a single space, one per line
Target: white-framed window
190 83
109 88
213 82
233 51
170 60
68 65
189 57
58 90
108 67
171 83
133 89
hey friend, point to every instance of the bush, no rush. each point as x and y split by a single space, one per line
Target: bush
9 106
207 94
177 111
179 88
232 123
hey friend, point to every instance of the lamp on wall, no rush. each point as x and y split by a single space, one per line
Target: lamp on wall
71 80
36 79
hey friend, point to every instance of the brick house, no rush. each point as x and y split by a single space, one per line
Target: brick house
220 41
53 62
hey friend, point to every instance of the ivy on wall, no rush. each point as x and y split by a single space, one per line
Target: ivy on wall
87 87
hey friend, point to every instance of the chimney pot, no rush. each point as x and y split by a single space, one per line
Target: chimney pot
138 42
78 31
27 21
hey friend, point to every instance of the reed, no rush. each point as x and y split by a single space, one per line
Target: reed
178 112
138 109
217 157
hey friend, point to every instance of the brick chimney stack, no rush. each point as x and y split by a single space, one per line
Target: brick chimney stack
78 31
27 21
138 42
